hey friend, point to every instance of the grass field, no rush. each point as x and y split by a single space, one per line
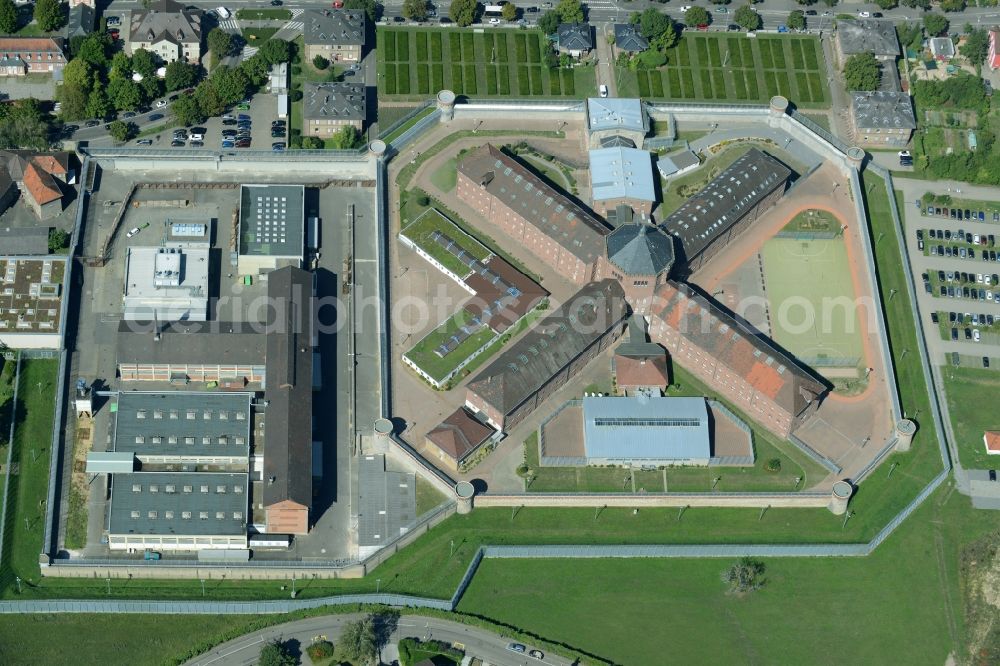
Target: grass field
439 367
716 67
417 62
420 231
965 389
817 221
28 488
812 300
677 190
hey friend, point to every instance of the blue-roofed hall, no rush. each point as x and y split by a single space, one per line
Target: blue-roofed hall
622 176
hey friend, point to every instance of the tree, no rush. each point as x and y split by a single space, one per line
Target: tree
653 23
935 24
696 16
151 87
187 112
58 239
651 59
463 12
747 18
49 15
570 11
347 138
415 10
917 4
806 2
275 51
276 654
73 99
145 62
8 16
312 143
952 5
98 105
320 649
744 576
79 72
210 103
887 4
359 641
976 47
180 75
862 72
369 6
94 48
121 66
320 63
833 3
230 84
548 23
124 94
796 20
509 12
121 131
220 42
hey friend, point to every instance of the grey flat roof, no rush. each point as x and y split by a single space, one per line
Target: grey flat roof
186 423
110 462
166 283
194 343
868 36
333 26
334 101
621 173
181 503
724 201
671 164
272 221
24 240
386 502
616 113
646 428
883 109
288 415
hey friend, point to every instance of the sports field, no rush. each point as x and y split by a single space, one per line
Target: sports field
812 301
418 62
716 67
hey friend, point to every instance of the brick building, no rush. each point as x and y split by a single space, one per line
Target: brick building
727 206
20 56
537 365
639 257
557 230
741 364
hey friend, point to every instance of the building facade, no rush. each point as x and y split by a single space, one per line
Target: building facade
329 107
20 56
882 118
558 231
335 34
168 29
537 365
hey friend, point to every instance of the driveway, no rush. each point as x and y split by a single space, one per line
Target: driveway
300 634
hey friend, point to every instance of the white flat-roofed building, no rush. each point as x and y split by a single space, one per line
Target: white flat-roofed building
166 284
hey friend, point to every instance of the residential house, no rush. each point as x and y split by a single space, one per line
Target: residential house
628 39
168 29
882 118
576 39
329 107
336 34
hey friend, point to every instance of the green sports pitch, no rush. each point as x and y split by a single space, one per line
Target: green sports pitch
814 312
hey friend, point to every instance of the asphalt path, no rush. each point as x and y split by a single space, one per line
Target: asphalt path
298 635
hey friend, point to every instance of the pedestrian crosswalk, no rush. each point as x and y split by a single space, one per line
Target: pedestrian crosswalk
248 52
297 12
230 25
290 30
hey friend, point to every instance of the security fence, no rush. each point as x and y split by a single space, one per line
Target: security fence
229 156
819 131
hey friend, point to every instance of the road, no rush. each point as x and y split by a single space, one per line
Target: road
300 634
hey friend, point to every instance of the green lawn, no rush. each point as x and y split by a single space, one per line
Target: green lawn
677 190
387 115
420 231
965 390
903 604
28 488
264 14
439 367
446 177
418 62
428 497
719 67
258 35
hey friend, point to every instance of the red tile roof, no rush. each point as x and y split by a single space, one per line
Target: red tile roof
41 185
459 434
641 372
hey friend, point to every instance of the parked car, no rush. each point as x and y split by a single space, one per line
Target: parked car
227 144
276 3
536 654
242 116
132 232
144 142
517 647
177 143
243 143
278 147
155 116
161 103
197 144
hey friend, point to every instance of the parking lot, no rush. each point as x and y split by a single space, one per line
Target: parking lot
954 253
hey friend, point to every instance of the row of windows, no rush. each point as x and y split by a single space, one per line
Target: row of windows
171 488
38 56
185 515
173 439
191 414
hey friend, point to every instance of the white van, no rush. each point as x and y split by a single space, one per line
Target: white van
222 12
197 137
603 90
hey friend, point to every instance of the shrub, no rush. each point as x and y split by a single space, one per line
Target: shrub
773 465
320 650
320 63
423 200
